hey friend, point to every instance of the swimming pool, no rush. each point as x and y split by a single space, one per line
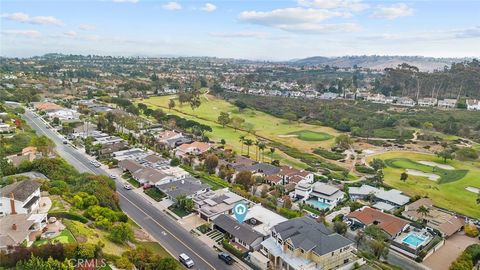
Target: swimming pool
414 240
318 205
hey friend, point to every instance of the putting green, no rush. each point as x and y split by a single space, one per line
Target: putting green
448 192
311 136
446 176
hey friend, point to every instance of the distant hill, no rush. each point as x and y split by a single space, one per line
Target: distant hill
380 62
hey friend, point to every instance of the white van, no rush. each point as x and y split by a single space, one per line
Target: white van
185 260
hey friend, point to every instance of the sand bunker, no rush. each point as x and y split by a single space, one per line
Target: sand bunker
288 136
473 189
430 176
435 164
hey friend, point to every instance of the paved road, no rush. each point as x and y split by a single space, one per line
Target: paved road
165 230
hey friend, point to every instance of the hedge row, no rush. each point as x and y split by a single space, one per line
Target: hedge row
69 215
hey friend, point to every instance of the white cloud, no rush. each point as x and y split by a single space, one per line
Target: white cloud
21 33
289 16
241 34
125 1
298 19
209 7
172 6
70 34
353 5
393 12
87 27
25 18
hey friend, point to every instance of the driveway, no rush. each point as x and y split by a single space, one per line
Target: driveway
454 246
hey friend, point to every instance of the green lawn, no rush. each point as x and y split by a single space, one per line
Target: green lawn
178 211
311 136
155 194
65 237
263 126
446 194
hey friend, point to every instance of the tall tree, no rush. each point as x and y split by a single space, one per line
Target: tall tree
223 119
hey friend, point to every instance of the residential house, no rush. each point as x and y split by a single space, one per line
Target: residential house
5 128
242 235
303 243
386 200
151 177
211 204
64 114
262 219
188 187
19 229
405 101
288 175
391 225
21 197
169 138
436 218
473 104
427 102
328 95
194 148
29 153
130 166
447 103
376 98
46 106
324 196
260 169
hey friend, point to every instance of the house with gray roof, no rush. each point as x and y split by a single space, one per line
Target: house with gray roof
303 243
319 195
386 200
263 169
211 204
22 197
17 229
187 186
240 234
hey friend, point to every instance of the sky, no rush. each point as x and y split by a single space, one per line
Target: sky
247 29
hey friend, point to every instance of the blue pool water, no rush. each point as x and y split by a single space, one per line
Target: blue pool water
414 240
317 204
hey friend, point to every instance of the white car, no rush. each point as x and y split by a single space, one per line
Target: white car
113 176
185 260
128 187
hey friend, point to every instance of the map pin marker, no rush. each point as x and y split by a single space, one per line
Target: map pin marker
240 211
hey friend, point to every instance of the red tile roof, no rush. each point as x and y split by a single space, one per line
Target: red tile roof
390 224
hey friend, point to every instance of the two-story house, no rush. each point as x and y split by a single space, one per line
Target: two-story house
303 243
21 197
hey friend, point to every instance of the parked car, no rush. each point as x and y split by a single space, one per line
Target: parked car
112 176
65 141
128 187
226 258
185 260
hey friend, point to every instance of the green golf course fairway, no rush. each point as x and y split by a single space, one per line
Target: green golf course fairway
263 126
448 192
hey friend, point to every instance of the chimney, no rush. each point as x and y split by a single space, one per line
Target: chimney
12 204
14 227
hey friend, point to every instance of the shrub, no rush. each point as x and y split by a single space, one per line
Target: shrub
327 154
237 253
471 230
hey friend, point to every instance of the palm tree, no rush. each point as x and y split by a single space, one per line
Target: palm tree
424 211
248 143
262 147
272 150
242 140
256 150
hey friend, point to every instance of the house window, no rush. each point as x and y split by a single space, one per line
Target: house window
333 253
290 247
